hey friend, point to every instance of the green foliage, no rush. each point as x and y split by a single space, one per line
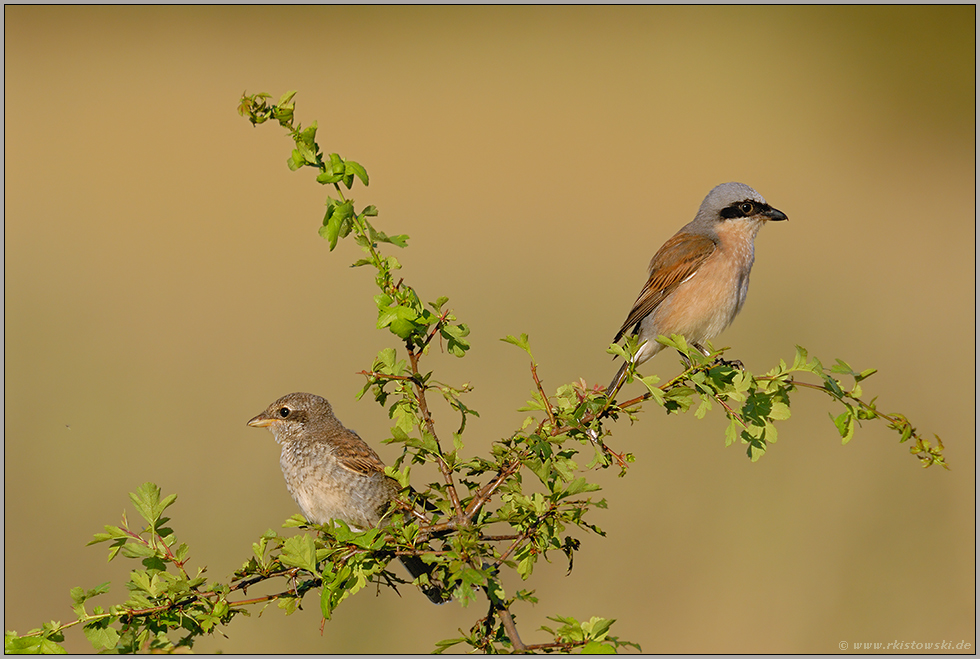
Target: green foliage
163 596
529 499
753 404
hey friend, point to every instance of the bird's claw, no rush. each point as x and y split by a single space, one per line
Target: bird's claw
735 363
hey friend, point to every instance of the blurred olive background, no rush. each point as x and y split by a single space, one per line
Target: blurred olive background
164 282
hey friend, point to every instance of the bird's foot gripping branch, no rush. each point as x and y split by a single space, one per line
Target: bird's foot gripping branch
529 497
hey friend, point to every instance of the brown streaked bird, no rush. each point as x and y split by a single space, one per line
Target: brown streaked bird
700 277
330 472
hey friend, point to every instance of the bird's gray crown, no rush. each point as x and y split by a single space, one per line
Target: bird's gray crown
725 195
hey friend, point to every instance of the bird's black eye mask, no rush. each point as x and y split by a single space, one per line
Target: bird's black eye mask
745 208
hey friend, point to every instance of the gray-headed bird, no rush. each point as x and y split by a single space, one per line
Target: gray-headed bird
700 277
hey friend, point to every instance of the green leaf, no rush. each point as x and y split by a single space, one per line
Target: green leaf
678 399
113 532
757 446
402 328
330 231
100 635
326 602
845 424
594 647
731 432
618 351
800 362
525 562
455 343
146 499
326 178
137 550
386 358
294 521
345 210
388 315
142 580
79 595
439 303
650 382
521 343
357 170
13 644
833 386
867 373
182 551
780 411
163 505
578 486
400 240
300 551
336 221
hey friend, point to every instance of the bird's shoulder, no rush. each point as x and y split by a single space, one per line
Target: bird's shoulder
354 454
675 262
681 255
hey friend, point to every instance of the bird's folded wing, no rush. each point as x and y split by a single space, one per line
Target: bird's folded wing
675 262
357 456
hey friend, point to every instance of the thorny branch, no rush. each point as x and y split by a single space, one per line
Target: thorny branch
431 428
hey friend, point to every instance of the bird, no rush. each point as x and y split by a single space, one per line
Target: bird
331 472
699 278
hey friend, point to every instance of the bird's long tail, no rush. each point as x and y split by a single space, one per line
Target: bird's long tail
617 381
417 567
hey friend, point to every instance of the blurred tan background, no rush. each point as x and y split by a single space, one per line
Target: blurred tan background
164 282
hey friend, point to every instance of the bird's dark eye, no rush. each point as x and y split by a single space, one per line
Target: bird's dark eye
284 412
746 207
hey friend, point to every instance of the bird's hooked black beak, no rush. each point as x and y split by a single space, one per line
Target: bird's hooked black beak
775 215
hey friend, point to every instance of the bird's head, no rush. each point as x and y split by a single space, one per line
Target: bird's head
294 416
734 204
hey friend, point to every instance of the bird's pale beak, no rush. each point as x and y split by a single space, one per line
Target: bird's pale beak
776 215
261 421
